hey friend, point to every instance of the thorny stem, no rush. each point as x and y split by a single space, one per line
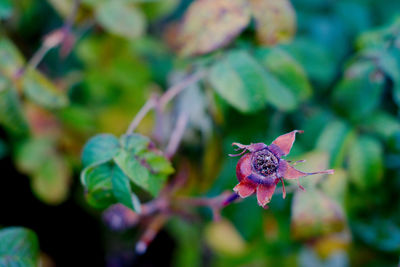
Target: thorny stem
161 102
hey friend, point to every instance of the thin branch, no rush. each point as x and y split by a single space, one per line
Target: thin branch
149 105
164 99
176 135
38 56
179 87
54 39
71 18
150 233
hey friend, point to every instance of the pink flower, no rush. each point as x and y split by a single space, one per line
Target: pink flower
261 170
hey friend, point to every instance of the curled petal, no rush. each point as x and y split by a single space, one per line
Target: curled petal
245 189
238 154
243 167
285 142
251 147
264 194
288 172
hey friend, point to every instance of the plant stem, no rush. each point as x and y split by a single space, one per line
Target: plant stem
153 102
149 105
179 87
56 41
176 135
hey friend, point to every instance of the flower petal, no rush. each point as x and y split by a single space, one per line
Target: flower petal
251 147
288 172
285 142
264 194
245 189
243 167
261 179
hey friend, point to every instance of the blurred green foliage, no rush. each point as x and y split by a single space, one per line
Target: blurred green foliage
337 78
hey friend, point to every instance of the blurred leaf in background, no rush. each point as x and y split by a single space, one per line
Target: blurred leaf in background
330 68
19 247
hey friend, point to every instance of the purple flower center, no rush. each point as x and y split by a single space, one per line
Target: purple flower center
265 162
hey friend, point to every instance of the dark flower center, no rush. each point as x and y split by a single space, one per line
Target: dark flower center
264 162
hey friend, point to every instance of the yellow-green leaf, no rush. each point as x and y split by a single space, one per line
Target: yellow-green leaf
121 18
223 238
51 182
10 57
275 20
366 162
42 91
211 24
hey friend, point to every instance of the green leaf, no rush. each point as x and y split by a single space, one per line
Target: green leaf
335 139
18 247
382 123
366 162
6 9
379 232
211 24
134 143
98 184
157 163
43 92
359 94
139 174
287 70
122 190
318 60
121 18
188 249
51 181
11 113
244 84
32 154
10 57
49 170
100 148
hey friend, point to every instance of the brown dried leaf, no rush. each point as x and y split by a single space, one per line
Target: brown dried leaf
211 24
275 20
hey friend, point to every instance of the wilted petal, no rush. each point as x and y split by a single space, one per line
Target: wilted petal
288 172
264 194
250 148
243 167
285 142
245 189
